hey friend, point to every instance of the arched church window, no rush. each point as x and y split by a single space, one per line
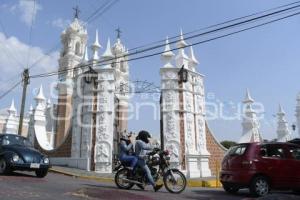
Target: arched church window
77 48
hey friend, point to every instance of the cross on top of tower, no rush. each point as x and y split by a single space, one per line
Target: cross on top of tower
77 11
118 30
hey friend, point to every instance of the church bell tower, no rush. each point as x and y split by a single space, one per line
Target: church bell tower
73 39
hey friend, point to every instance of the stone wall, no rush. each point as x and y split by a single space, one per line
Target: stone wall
216 150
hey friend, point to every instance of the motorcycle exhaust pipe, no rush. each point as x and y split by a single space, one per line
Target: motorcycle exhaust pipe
132 181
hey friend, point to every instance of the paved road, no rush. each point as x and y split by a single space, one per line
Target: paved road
23 186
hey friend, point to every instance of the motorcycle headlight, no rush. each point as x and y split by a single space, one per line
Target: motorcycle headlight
46 160
15 158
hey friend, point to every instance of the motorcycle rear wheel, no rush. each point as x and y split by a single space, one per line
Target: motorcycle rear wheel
119 179
174 182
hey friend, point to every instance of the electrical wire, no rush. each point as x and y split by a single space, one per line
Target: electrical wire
150 55
10 89
216 25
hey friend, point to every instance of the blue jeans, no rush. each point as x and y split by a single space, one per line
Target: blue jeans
142 164
131 159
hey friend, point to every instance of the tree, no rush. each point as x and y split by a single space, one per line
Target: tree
227 144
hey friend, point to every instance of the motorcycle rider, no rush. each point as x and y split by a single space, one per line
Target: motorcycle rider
142 145
126 153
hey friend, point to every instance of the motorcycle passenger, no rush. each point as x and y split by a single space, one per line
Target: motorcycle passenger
142 145
126 153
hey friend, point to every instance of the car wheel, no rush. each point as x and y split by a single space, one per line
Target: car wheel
259 186
3 166
230 188
41 173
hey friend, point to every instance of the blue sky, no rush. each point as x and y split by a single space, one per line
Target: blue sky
265 60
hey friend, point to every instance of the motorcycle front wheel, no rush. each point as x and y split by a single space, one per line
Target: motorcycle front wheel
120 179
175 181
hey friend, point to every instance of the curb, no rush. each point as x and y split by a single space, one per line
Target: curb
101 179
190 182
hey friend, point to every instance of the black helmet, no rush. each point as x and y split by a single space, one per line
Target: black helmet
144 136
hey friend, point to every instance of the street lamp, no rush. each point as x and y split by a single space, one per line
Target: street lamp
89 75
183 75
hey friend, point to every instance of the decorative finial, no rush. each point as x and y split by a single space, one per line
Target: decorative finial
107 54
12 108
248 98
76 13
280 110
118 30
40 95
192 56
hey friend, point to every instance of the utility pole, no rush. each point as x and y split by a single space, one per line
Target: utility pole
25 79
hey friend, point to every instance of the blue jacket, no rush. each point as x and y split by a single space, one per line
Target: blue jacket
125 149
141 149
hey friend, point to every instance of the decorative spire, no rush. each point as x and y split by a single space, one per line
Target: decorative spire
181 43
95 46
167 55
250 124
85 58
280 110
283 133
167 52
107 54
40 95
193 61
12 109
248 98
181 58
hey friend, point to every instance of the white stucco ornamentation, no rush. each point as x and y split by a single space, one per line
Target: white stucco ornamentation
183 113
283 132
250 122
12 122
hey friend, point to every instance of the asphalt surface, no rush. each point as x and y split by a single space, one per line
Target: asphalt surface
23 186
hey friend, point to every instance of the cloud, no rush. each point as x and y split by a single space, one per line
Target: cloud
60 23
28 10
14 58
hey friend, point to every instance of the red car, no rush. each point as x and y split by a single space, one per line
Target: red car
261 167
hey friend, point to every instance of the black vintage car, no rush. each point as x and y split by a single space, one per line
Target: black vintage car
17 153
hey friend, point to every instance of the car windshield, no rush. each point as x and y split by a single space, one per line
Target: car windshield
15 140
237 150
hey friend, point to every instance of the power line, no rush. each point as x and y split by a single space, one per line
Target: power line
98 10
158 46
188 33
160 52
103 11
216 25
10 89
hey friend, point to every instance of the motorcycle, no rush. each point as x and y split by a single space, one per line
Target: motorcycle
158 162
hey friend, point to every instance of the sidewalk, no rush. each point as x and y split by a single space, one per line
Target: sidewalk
199 182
